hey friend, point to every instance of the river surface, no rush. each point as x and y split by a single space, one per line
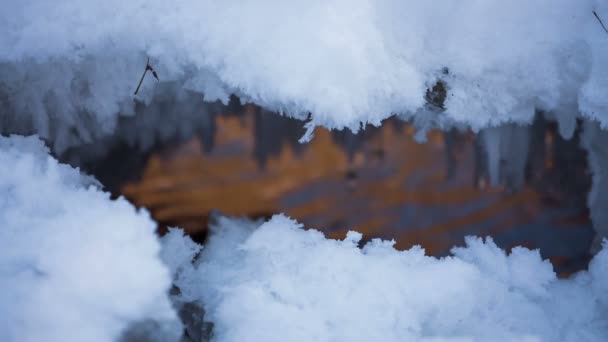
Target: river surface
381 183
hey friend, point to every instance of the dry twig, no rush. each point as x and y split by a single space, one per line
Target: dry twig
148 68
600 20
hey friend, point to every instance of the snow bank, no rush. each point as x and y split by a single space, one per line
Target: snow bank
68 68
74 265
282 283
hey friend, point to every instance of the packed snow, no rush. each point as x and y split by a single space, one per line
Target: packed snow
68 69
74 265
279 282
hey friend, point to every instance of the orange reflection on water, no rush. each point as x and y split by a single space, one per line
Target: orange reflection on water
392 188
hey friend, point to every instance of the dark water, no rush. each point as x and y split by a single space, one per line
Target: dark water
380 182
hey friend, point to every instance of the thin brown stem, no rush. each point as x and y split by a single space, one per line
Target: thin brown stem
142 76
600 21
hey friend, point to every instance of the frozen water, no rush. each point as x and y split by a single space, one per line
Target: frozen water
506 150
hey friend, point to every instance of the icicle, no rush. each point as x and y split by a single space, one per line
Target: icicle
310 132
506 150
491 138
516 143
566 120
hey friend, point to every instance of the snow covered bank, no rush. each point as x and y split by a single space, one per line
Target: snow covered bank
74 265
281 283
68 68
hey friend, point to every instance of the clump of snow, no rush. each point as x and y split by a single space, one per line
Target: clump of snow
74 265
68 69
178 254
282 283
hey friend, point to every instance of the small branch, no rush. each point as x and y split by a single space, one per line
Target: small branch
148 67
600 21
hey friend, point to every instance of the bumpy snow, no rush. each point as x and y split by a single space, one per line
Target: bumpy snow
278 282
74 265
67 68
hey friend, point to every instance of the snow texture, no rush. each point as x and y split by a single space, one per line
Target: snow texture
278 282
68 69
74 265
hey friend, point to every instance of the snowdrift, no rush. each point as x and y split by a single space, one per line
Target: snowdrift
74 265
68 69
278 282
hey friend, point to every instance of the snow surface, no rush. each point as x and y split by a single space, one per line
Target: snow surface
68 68
278 282
74 265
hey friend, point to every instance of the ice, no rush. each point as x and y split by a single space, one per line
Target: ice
74 265
68 69
279 282
506 149
492 141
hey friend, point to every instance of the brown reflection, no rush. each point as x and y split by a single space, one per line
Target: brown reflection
382 184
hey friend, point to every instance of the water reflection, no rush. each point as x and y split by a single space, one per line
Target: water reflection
380 183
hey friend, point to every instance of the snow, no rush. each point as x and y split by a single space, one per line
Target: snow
68 69
74 265
178 253
279 282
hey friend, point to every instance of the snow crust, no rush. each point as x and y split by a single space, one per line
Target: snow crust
278 282
68 68
74 265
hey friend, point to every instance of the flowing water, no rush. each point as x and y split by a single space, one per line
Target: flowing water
380 182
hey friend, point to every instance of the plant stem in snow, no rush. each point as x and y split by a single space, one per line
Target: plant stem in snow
600 20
